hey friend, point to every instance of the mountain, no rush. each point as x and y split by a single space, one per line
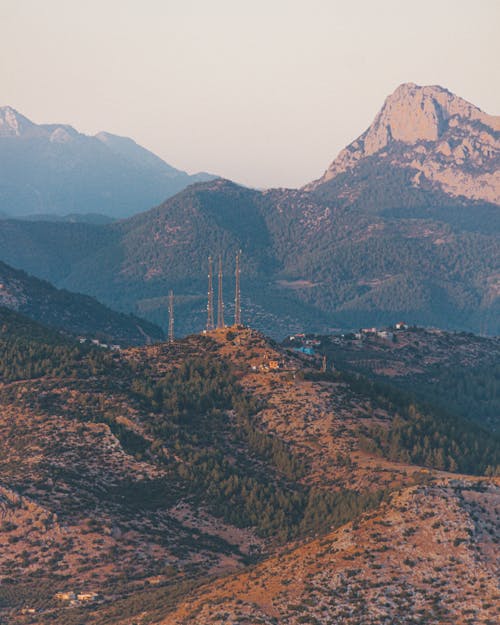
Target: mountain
307 263
70 312
192 482
54 169
132 264
438 136
377 242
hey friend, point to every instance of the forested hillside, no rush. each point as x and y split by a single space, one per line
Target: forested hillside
72 313
29 350
457 372
308 261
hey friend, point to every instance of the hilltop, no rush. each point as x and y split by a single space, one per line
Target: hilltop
217 453
458 371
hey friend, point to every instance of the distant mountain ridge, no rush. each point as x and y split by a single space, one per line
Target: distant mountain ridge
307 264
54 169
377 242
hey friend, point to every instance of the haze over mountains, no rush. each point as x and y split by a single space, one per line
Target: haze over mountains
54 169
404 223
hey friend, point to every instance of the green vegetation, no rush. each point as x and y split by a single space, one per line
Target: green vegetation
471 393
426 435
440 443
29 350
425 366
74 313
374 254
244 475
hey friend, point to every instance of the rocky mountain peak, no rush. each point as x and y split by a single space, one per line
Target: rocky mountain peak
439 134
12 123
63 134
413 113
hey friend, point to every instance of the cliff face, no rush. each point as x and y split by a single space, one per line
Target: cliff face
445 138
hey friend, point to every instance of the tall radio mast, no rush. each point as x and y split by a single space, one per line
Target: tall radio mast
220 301
210 303
237 296
171 317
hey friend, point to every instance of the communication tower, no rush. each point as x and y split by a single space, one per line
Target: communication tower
171 317
237 296
210 303
220 301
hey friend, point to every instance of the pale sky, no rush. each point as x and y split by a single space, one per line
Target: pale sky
264 92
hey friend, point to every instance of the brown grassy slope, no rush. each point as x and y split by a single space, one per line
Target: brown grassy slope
67 490
320 421
80 511
428 556
71 507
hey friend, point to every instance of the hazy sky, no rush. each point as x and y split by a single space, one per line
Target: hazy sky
263 92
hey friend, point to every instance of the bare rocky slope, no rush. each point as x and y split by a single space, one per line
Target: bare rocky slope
428 556
438 135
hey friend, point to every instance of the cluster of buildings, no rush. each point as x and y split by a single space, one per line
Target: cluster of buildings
388 335
82 340
75 598
385 333
306 344
270 364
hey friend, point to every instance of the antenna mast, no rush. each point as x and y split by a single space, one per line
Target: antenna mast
220 301
210 303
237 297
171 317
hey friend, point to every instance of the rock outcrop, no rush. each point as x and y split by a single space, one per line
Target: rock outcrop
445 138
